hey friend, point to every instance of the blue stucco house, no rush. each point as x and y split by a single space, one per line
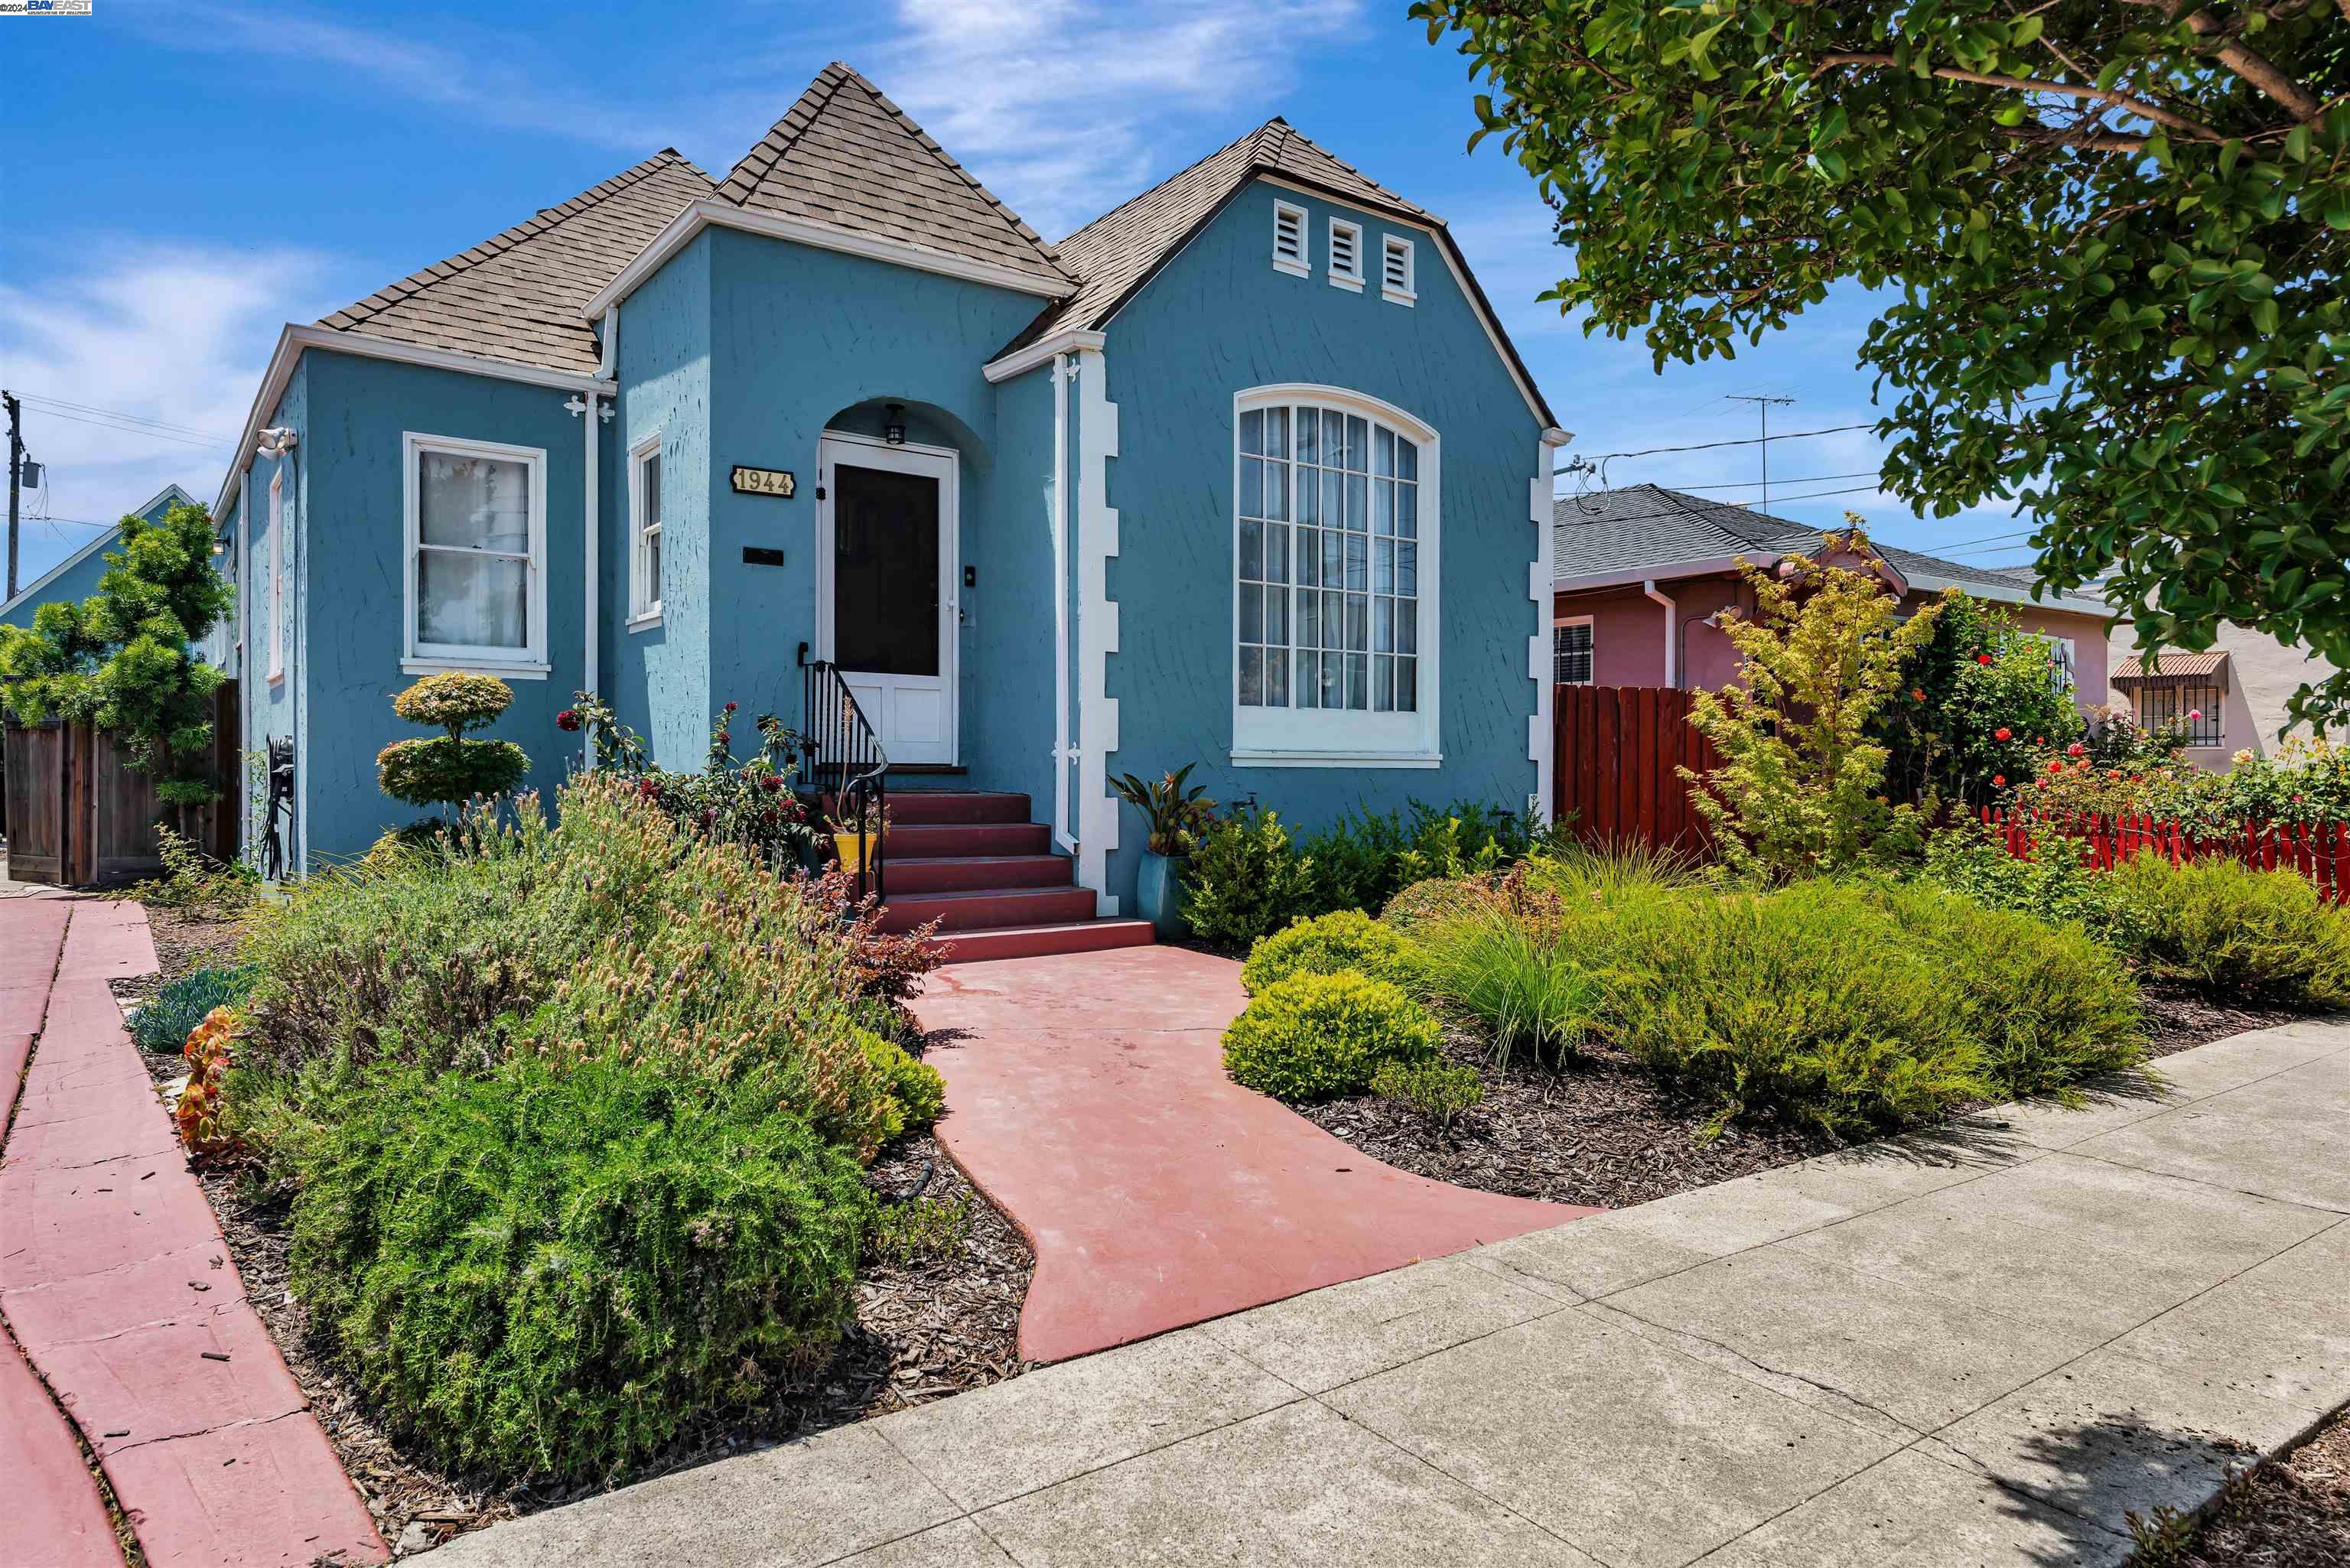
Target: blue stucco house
75 576
1245 473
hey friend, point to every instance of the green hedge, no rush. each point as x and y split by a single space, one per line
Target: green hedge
1333 944
2227 928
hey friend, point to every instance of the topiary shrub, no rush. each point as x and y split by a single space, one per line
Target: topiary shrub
165 1023
551 1271
1317 1036
1333 944
1439 1091
451 770
2229 928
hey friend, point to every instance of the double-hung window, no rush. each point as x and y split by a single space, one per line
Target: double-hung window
2062 651
1334 581
645 531
476 548
1570 652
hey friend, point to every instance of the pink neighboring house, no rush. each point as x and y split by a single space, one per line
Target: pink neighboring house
1642 571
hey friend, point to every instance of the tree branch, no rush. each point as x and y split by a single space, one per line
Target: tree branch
2256 67
2121 100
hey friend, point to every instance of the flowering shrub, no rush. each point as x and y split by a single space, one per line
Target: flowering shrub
2308 782
747 802
1981 697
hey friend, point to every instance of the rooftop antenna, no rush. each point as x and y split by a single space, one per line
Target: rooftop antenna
1763 405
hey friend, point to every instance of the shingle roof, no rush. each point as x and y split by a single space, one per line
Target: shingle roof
847 157
1647 525
1118 251
2174 663
518 295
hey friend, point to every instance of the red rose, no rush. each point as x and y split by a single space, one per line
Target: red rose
1916 694
2002 733
2113 773
722 737
568 720
2076 750
1982 659
770 782
730 707
647 789
1999 780
768 816
2039 740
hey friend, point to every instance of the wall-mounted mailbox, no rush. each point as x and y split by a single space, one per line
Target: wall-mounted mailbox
761 556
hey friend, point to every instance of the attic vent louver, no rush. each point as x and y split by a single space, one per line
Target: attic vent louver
1289 238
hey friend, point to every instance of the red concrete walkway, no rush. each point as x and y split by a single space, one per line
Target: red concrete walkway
117 1286
1086 1097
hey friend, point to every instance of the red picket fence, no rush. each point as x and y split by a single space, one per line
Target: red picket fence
2319 851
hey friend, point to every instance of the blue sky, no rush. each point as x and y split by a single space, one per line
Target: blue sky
184 178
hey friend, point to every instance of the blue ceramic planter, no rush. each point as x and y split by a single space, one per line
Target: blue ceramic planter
1158 894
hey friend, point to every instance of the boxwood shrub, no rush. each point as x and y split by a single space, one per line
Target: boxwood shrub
1318 1036
1333 944
549 1271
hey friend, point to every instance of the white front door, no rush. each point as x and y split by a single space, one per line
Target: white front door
886 587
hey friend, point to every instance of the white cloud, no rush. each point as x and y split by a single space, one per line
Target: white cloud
178 336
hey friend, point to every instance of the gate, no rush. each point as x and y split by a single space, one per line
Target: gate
1613 753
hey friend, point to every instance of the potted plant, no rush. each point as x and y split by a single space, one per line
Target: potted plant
848 844
1176 816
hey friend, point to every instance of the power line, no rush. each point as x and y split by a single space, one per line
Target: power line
123 414
1807 479
135 430
1750 441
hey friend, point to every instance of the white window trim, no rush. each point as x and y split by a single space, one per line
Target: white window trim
1395 244
1592 679
1297 266
1274 737
528 663
277 575
643 613
1349 278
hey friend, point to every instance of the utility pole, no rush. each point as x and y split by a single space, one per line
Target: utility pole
1763 407
16 469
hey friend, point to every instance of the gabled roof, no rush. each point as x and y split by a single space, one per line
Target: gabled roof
520 295
1118 251
1122 250
847 157
1647 530
30 593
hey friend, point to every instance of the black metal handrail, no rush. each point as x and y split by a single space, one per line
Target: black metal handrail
842 761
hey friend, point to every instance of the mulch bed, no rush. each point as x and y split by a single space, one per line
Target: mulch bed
2293 1513
1601 1131
924 1328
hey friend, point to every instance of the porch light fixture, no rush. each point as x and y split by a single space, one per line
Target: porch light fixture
894 429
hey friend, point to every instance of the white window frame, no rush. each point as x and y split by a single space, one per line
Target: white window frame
1392 246
643 612
2065 674
420 657
1347 274
1561 624
1297 222
277 577
1295 737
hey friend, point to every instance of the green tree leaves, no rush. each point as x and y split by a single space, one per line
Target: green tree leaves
2138 221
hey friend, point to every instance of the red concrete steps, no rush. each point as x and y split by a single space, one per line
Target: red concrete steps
972 861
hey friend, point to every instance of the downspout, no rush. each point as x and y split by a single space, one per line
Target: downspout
592 523
1061 836
1672 632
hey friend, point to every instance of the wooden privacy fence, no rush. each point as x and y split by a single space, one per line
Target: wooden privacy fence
2319 851
79 813
1613 753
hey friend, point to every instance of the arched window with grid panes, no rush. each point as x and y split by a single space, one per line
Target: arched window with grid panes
1335 532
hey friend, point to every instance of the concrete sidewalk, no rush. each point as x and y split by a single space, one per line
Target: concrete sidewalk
1977 1348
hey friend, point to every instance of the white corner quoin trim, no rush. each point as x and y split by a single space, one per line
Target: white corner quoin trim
1097 628
680 231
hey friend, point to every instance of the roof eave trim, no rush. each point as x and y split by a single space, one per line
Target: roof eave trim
1707 566
701 215
295 338
1927 583
1068 340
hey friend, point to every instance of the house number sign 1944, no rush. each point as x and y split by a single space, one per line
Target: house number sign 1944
764 481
